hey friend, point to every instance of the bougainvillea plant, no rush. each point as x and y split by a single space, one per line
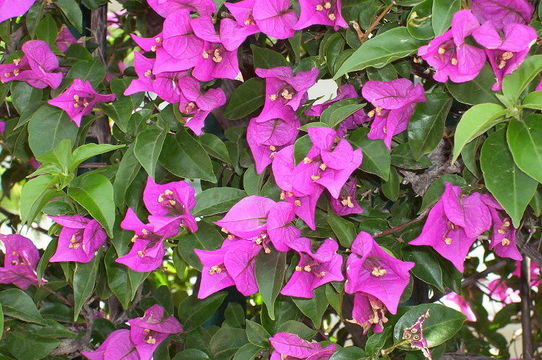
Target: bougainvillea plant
270 179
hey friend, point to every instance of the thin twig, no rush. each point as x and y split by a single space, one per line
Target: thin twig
93 165
376 21
402 226
525 294
57 295
474 278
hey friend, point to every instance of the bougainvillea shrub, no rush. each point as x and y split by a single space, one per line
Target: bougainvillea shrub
270 179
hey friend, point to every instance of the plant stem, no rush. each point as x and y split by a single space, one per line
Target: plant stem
376 22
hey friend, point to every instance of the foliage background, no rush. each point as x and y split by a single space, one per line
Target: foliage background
395 187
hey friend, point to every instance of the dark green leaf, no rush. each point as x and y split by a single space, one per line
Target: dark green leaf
512 188
245 99
380 50
73 13
94 192
194 312
185 157
84 279
339 111
315 307
206 238
348 353
419 21
270 271
266 58
427 266
524 139
436 189
477 91
217 200
441 325
344 230
91 71
126 173
256 334
17 304
247 352
391 188
426 125
191 354
25 345
376 156
443 11
215 147
148 146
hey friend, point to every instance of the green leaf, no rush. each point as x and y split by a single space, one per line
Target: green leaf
191 354
47 30
117 278
297 328
84 279
266 58
91 71
183 156
443 11
73 13
381 50
215 147
245 99
477 91
441 325
533 100
217 200
1 322
47 127
337 112
391 188
19 305
34 195
193 312
256 334
301 147
524 139
247 352
225 342
427 266
436 189
376 156
476 121
126 173
94 192
270 271
536 202
26 99
234 315
315 307
148 146
206 238
512 188
514 84
419 21
426 126
343 229
348 353
85 152
26 345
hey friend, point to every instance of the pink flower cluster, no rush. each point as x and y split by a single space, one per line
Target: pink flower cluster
500 30
140 342
375 278
169 206
456 221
